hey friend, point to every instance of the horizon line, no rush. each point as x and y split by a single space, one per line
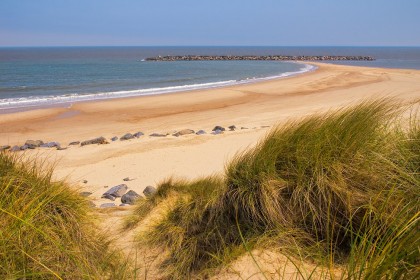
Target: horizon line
214 46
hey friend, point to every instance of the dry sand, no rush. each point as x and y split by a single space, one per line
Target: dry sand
149 160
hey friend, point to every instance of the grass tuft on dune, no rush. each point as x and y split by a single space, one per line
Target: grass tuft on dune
47 231
340 189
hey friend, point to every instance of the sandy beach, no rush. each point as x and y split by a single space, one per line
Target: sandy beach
148 160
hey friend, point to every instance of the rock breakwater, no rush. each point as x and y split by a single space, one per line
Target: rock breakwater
260 57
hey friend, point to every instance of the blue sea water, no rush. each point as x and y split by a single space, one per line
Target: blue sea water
33 77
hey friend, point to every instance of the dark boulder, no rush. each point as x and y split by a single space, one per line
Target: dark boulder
217 131
115 138
14 149
116 191
74 143
149 191
108 196
24 147
50 145
61 148
232 128
218 127
184 132
157 135
127 136
201 132
32 144
5 147
99 140
130 197
107 205
138 134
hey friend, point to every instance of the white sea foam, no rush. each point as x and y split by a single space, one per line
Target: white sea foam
32 101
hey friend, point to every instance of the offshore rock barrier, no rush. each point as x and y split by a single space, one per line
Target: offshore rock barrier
260 57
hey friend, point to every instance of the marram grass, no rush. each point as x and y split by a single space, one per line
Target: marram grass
46 230
340 189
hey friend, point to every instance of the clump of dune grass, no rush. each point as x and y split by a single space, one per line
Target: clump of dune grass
341 189
47 231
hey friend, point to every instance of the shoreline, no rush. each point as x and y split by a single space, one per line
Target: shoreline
63 101
129 111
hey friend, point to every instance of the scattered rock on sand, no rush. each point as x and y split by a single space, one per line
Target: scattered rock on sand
130 197
107 205
5 147
218 127
14 149
108 196
115 138
232 128
149 191
116 191
61 148
200 132
32 144
124 204
99 140
217 131
74 143
50 145
138 134
126 136
24 147
84 181
183 132
243 127
158 135
85 194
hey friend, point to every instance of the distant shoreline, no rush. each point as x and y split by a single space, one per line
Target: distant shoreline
261 57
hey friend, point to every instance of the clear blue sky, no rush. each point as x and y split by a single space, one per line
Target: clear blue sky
215 22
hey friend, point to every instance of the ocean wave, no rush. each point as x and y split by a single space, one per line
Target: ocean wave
31 101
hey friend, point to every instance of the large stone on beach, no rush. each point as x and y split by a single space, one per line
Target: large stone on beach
50 145
218 127
138 134
127 136
74 143
115 138
32 144
201 132
99 140
14 149
232 128
157 135
130 197
149 191
217 131
184 132
116 191
24 147
107 205
5 147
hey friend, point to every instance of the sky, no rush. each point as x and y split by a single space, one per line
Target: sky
209 23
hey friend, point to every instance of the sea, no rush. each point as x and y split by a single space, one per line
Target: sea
34 77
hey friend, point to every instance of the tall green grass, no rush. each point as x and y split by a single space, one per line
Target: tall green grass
46 229
341 189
